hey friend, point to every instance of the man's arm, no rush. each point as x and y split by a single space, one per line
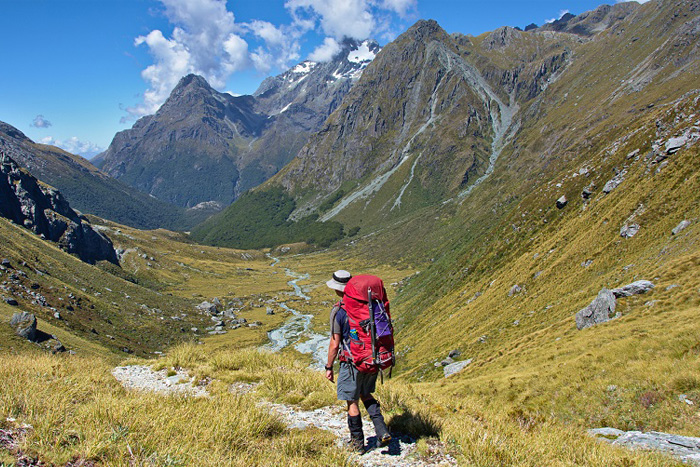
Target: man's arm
332 353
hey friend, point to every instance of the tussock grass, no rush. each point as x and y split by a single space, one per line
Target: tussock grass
78 411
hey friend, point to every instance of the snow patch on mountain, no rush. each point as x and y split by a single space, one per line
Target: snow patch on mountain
304 67
362 54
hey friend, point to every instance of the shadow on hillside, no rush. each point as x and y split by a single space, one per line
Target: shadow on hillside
41 336
416 424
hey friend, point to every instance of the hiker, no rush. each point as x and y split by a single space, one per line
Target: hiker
353 384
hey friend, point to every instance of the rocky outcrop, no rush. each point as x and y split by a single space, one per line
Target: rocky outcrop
24 325
601 309
27 202
685 448
635 288
90 190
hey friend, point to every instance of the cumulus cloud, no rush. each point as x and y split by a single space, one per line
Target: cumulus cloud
205 40
75 146
40 122
401 7
326 51
338 18
561 14
281 44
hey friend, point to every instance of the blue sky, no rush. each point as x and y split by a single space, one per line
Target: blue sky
75 72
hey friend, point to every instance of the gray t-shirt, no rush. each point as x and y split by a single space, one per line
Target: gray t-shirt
335 326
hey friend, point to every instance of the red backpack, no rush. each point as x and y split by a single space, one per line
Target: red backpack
371 332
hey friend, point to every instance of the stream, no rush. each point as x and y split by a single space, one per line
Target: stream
296 330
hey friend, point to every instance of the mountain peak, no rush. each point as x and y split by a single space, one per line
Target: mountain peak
192 81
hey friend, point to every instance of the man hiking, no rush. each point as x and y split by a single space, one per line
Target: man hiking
352 384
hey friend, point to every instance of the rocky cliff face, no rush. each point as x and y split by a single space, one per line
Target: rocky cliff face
431 113
29 203
206 146
90 190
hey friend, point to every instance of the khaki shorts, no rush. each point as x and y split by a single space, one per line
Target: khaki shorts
352 384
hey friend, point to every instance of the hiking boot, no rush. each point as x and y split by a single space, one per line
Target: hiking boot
380 428
384 440
357 437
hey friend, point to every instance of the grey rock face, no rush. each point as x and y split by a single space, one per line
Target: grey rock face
680 227
635 288
629 231
27 202
614 182
455 367
601 309
24 325
673 145
685 448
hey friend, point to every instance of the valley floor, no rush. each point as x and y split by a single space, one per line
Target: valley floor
70 410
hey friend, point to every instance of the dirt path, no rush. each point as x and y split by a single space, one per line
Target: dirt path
402 451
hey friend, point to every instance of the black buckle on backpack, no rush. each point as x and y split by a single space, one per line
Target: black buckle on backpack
365 324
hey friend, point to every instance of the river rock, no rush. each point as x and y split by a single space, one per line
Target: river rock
455 367
24 325
682 226
685 448
673 145
561 202
601 309
635 288
629 230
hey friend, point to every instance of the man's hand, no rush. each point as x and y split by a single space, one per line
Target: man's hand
329 375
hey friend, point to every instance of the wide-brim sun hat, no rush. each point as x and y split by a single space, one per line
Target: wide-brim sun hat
340 280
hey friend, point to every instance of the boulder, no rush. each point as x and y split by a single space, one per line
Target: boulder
455 367
681 226
455 353
516 289
629 230
614 182
601 309
587 192
207 307
685 448
24 325
635 288
673 145
447 361
561 202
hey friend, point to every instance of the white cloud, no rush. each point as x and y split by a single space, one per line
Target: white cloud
400 6
204 41
561 15
326 51
282 45
40 122
75 146
338 18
